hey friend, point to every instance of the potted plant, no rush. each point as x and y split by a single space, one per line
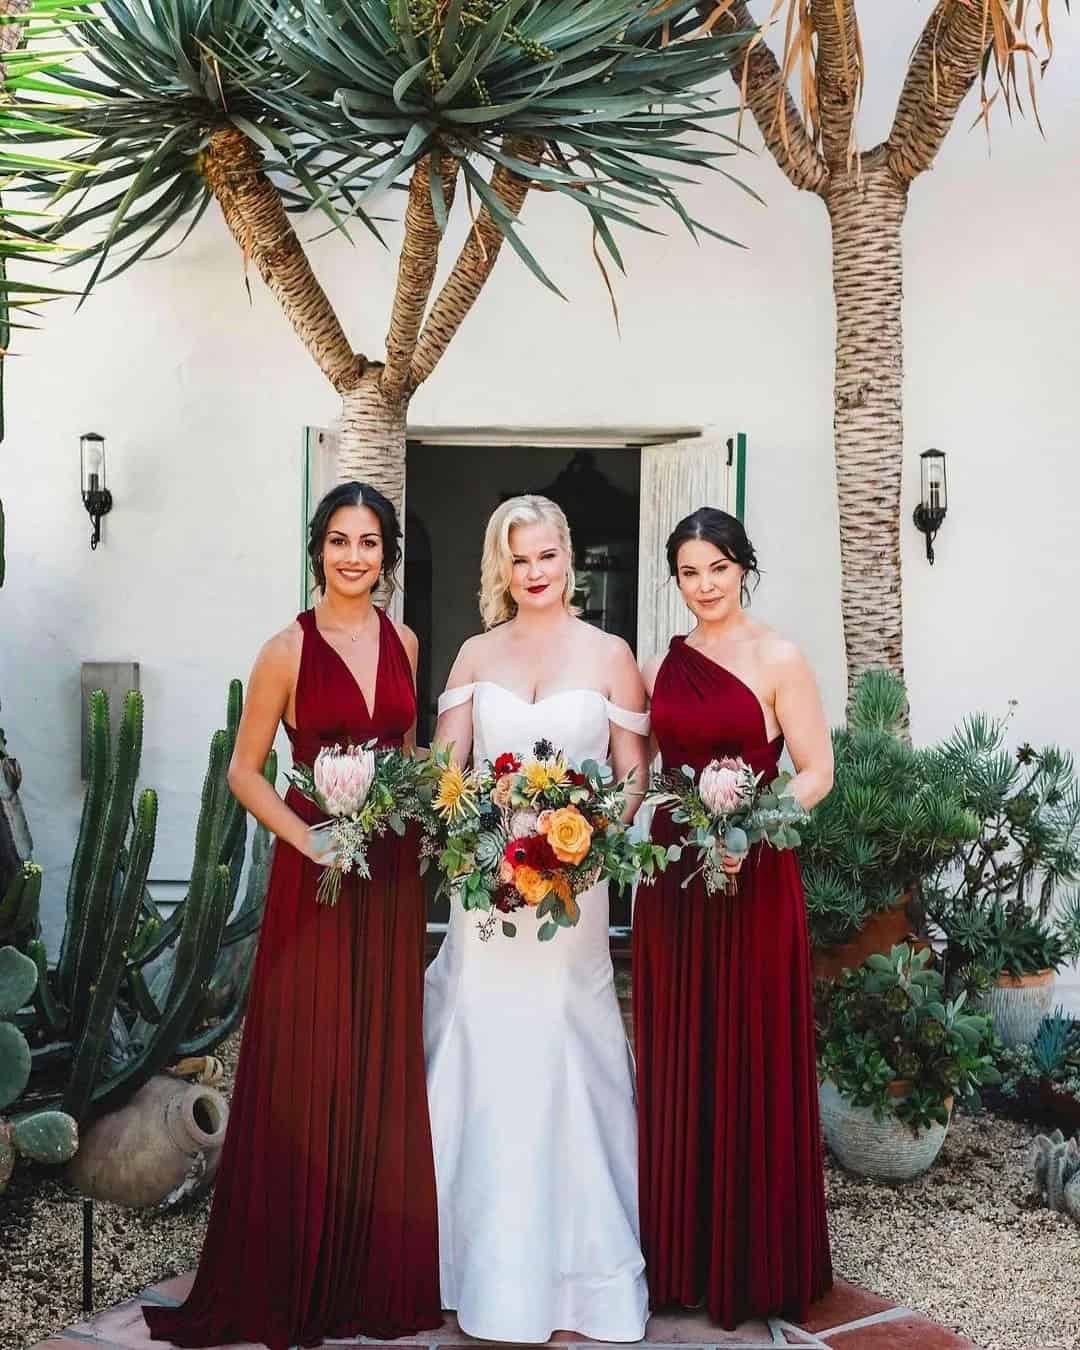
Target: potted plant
893 1055
886 824
995 901
1043 1078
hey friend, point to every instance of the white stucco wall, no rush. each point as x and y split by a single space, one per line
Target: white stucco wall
202 398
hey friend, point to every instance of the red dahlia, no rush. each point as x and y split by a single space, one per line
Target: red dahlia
531 851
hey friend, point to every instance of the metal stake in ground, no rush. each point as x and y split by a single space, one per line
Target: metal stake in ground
88 1256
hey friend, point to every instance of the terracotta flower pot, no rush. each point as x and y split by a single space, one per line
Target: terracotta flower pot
880 933
1062 1105
884 1149
160 1147
1017 1004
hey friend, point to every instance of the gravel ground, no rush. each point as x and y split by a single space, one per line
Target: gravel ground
968 1244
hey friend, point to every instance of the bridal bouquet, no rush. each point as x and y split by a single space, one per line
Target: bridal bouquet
533 832
366 792
726 811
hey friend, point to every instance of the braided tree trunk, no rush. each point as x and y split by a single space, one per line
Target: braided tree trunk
370 431
866 198
867 213
371 437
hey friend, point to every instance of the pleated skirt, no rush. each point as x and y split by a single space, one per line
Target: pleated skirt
324 1218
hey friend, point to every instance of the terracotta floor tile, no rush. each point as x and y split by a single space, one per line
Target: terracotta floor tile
911 1332
123 1328
843 1303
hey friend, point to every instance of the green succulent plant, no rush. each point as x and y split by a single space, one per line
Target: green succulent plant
889 1021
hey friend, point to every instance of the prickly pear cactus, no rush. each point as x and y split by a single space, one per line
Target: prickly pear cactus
45 1136
1055 1165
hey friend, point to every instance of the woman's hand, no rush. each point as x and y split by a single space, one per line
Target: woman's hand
319 847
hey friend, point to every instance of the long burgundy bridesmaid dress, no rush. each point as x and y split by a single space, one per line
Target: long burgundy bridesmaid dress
324 1216
731 1185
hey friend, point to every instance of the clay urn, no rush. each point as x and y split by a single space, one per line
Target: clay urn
159 1148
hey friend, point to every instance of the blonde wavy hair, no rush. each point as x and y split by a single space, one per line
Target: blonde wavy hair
497 564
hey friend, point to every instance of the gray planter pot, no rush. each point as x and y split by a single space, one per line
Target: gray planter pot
885 1149
1017 1006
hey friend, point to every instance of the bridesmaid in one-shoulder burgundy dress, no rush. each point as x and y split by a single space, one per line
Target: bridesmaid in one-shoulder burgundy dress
324 1216
731 1182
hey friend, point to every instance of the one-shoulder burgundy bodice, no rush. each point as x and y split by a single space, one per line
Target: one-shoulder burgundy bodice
330 708
700 711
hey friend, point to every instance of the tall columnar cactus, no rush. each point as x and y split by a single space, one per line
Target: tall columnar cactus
1055 1166
19 908
131 992
46 1136
16 845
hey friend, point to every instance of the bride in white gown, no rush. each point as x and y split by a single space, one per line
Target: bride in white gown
530 1080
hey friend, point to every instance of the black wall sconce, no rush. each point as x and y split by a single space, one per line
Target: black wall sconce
930 511
96 496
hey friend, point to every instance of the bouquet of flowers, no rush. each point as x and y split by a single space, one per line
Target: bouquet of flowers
726 811
366 792
532 832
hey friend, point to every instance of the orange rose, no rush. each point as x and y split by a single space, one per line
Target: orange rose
569 834
530 884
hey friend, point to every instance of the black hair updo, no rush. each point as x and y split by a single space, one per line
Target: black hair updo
355 494
724 532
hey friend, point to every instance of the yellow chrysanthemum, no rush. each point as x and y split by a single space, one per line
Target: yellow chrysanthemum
543 774
457 793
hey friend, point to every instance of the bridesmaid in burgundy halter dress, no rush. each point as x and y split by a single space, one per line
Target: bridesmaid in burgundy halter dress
324 1217
731 1187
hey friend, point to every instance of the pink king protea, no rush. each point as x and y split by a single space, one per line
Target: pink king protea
722 786
343 778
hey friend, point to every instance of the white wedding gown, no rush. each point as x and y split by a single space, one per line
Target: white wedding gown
531 1089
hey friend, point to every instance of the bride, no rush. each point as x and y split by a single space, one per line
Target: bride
530 1081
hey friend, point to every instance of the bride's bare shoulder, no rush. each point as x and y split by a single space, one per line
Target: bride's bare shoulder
608 648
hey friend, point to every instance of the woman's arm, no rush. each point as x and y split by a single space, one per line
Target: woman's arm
455 726
264 706
802 720
629 750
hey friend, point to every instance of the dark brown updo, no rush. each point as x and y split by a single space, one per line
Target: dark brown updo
355 494
724 532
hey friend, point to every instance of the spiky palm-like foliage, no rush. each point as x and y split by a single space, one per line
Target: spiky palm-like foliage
997 905
28 69
602 102
888 823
